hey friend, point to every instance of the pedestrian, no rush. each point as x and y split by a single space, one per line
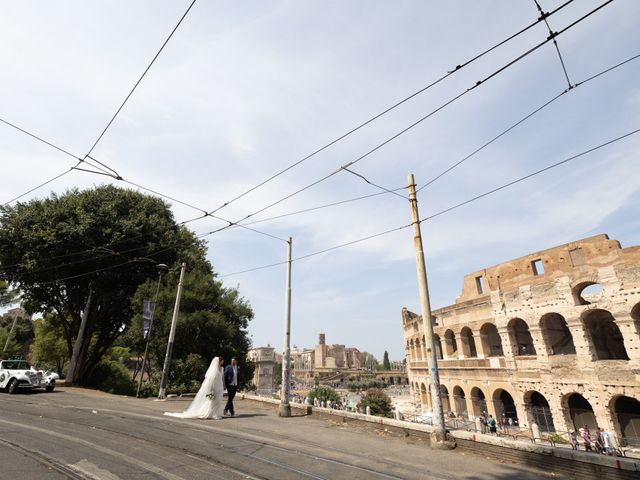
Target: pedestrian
574 440
599 441
491 422
586 439
231 376
608 442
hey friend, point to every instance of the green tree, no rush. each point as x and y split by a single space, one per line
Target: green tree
22 335
377 400
277 375
49 348
7 295
213 321
385 361
60 249
324 394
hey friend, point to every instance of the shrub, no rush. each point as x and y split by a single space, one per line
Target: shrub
377 400
112 377
324 394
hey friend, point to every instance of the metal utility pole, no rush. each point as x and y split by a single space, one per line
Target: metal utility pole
172 335
161 269
432 361
284 410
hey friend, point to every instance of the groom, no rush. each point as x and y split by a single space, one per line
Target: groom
231 373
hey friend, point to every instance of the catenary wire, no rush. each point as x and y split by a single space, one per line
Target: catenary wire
140 79
555 43
93 250
526 117
449 209
420 120
393 137
394 106
38 186
442 212
366 180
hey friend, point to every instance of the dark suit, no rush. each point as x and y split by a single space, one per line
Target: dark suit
231 389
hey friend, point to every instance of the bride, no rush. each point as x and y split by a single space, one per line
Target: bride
208 401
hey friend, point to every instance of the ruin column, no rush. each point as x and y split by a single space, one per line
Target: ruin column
538 343
630 335
460 351
581 340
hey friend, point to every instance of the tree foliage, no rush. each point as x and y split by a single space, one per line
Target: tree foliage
58 249
324 394
377 400
368 361
49 350
385 361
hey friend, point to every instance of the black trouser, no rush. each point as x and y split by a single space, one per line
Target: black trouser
231 392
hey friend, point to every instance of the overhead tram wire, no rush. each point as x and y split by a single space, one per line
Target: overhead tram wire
588 79
138 82
366 180
400 133
449 209
555 43
394 106
422 119
526 117
442 212
533 174
38 186
477 84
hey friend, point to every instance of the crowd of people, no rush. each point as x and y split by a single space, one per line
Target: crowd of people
602 443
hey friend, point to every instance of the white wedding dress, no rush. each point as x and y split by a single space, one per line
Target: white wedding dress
203 405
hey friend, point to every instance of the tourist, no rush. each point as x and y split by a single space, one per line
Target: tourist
599 441
492 424
586 438
574 440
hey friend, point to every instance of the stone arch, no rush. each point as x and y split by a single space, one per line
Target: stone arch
586 292
635 314
605 337
491 340
626 412
537 408
438 344
521 340
450 344
580 412
424 400
460 402
505 407
444 395
556 334
478 402
469 349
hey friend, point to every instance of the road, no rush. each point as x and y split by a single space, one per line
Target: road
82 434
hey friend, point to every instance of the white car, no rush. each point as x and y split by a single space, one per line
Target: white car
15 374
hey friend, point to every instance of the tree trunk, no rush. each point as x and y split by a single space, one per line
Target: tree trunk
72 373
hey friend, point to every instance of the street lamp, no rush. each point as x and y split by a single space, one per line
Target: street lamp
162 268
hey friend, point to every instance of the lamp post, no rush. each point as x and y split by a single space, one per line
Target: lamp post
162 268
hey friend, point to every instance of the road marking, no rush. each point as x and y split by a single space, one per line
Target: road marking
147 466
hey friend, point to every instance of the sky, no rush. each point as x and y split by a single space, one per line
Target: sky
245 89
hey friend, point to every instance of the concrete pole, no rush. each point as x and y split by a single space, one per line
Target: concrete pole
172 334
284 410
13 326
432 361
73 363
161 268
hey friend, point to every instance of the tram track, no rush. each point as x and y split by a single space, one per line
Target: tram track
223 436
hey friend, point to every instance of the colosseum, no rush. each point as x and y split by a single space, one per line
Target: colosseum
552 338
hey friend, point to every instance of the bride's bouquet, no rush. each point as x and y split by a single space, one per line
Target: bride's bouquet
211 396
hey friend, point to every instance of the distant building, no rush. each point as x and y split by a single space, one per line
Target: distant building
18 313
265 361
552 338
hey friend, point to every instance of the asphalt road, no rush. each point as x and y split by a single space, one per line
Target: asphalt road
82 434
